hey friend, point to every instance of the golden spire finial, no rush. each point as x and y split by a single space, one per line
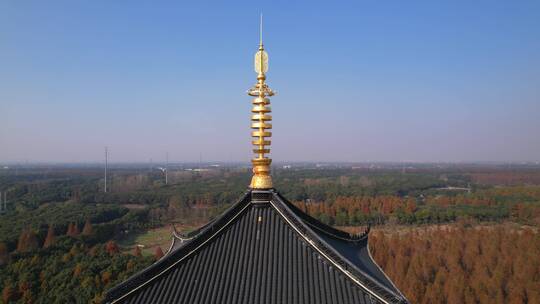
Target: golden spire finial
260 121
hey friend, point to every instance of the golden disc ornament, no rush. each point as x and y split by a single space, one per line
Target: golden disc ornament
261 62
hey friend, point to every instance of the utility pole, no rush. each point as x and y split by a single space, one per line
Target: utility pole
3 202
106 164
167 168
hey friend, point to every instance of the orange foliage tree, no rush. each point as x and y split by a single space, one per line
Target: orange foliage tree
462 265
49 240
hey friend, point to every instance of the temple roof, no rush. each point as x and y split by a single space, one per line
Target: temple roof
263 249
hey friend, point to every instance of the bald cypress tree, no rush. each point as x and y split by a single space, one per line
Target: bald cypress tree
112 248
50 239
27 241
87 229
32 240
8 293
22 242
69 231
158 254
137 251
76 231
72 230
4 254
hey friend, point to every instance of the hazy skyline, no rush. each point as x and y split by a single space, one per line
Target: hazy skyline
356 81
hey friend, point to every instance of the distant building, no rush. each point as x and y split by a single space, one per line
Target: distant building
263 249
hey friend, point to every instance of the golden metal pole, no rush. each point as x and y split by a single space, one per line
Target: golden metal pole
261 122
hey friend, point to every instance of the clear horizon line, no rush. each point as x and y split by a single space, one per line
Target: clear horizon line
279 161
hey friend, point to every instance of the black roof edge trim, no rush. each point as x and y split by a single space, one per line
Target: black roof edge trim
168 260
189 235
329 230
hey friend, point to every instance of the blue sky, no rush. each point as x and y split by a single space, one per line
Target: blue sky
356 80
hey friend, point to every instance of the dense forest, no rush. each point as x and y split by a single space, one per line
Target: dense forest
460 264
445 234
66 270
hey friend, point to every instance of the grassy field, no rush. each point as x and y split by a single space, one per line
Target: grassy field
151 239
148 241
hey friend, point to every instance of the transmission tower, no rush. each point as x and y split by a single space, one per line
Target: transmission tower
167 168
106 165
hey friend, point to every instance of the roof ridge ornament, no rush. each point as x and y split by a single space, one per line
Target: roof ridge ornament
260 120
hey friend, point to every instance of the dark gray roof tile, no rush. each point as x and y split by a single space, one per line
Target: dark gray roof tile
262 252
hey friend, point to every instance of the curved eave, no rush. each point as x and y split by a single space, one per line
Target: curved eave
353 248
324 242
384 273
322 227
180 239
190 235
175 244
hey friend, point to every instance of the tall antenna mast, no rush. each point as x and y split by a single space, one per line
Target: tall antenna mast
106 165
261 31
166 168
3 201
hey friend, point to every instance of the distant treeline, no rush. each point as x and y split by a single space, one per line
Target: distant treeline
520 204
